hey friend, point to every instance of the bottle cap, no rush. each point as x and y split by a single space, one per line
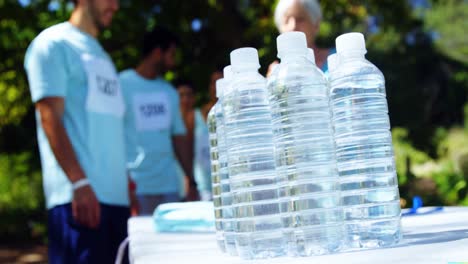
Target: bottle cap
332 61
244 58
227 73
220 87
311 55
294 41
351 42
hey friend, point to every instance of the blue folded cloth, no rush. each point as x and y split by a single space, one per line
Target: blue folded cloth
185 217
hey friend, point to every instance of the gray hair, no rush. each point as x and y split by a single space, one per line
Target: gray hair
311 6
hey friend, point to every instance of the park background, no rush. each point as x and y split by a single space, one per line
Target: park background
421 46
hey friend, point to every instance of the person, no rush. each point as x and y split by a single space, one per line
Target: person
155 130
197 138
215 75
304 16
80 114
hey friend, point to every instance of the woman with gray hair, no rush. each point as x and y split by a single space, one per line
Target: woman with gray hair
304 16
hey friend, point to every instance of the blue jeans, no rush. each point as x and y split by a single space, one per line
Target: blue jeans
70 242
148 202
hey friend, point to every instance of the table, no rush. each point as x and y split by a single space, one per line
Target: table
438 237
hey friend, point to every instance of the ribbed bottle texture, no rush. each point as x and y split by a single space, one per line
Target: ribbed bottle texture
365 156
305 152
250 152
215 175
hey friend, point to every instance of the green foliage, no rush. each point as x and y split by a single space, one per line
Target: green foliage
20 183
439 180
442 180
14 102
406 155
449 20
21 199
449 171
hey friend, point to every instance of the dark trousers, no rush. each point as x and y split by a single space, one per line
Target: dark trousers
70 242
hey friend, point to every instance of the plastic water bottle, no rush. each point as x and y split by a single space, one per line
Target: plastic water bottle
251 161
332 61
228 220
365 156
213 127
305 151
310 56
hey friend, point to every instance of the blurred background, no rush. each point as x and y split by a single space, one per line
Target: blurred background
420 45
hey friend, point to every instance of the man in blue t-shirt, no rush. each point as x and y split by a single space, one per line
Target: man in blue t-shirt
80 114
154 129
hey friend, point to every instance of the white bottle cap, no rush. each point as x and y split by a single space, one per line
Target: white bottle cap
351 42
220 87
294 41
332 62
227 73
244 58
311 55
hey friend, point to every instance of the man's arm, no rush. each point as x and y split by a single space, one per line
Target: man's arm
180 147
85 206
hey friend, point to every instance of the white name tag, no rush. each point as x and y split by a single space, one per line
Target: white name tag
104 94
152 111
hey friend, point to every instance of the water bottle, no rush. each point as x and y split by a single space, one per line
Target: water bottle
213 127
228 220
310 56
332 61
305 152
250 153
365 156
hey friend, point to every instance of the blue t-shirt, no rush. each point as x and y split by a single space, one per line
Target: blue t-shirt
201 157
65 62
154 117
201 162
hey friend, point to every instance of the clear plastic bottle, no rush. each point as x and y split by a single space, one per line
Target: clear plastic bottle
226 195
251 161
305 151
213 127
332 61
310 55
365 156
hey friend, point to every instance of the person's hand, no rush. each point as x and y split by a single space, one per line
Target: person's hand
191 192
85 207
134 205
271 67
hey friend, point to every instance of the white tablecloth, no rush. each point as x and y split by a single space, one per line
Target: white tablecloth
440 237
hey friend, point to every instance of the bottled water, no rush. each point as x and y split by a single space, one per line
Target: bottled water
310 56
332 61
305 152
226 196
250 153
213 127
366 164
